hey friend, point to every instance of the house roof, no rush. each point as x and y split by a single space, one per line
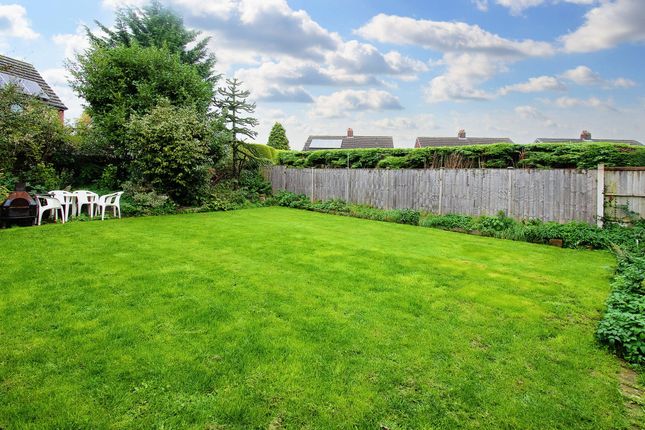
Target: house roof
569 140
22 70
355 142
456 141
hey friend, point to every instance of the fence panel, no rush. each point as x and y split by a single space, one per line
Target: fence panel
551 195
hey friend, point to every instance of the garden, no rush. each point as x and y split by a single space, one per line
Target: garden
213 304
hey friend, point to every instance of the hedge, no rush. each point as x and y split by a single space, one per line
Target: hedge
501 155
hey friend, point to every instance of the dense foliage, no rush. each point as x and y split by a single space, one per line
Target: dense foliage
547 155
34 144
278 137
128 80
170 151
157 26
623 326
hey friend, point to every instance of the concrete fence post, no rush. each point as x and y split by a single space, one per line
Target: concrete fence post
600 194
509 205
440 190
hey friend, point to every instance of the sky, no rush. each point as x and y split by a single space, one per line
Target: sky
403 68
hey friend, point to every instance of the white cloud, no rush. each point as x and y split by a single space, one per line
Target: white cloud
448 36
518 6
594 102
481 5
337 104
72 43
583 75
534 85
531 113
14 24
608 25
113 4
471 55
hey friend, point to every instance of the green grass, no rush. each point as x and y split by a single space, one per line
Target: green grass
279 318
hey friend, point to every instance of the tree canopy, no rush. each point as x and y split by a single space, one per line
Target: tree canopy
158 26
278 137
118 82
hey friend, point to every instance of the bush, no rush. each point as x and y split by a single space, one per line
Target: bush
139 200
109 178
501 155
169 148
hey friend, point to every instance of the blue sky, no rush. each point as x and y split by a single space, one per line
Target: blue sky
497 68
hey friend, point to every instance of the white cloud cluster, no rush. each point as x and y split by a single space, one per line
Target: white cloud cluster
338 104
14 24
471 55
583 75
534 85
516 7
609 24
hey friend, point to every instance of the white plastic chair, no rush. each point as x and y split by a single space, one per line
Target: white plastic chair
50 203
86 198
109 201
67 200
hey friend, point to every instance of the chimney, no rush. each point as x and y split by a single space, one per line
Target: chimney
461 134
350 132
585 135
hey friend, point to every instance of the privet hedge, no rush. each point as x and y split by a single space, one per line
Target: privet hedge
545 155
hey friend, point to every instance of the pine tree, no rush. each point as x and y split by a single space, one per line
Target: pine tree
278 137
233 105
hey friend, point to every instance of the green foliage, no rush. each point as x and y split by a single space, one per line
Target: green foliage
622 328
158 26
169 148
565 155
340 207
278 137
109 178
138 200
123 81
32 138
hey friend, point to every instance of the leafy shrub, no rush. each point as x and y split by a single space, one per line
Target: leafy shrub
109 178
138 200
622 328
169 148
449 222
501 155
254 184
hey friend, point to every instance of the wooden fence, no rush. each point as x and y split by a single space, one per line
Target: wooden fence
551 195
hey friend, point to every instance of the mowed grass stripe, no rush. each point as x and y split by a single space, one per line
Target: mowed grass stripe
292 319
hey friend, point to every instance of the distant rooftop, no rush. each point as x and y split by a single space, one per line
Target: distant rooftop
460 140
585 136
349 141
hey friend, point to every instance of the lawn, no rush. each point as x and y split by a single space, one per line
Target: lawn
279 318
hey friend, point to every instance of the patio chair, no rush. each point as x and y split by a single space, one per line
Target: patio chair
67 200
86 198
49 203
109 201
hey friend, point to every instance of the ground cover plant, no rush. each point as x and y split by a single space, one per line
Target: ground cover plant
280 318
501 155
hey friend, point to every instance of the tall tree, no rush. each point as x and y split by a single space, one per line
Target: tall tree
235 110
123 81
158 26
278 137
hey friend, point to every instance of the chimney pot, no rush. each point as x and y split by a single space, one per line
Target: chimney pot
350 132
585 135
461 134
